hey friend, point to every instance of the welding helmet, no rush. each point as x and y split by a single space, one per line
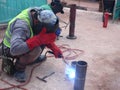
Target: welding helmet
57 6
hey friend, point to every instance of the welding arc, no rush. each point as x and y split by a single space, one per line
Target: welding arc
65 48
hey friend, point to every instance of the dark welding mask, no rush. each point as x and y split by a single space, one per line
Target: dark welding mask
47 19
51 28
57 6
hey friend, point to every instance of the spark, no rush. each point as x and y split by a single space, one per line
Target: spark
70 72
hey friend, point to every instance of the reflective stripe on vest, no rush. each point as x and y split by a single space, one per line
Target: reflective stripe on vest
24 16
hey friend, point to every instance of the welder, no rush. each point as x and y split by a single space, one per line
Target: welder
57 7
25 38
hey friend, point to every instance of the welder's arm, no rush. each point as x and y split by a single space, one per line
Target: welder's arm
19 33
41 39
57 52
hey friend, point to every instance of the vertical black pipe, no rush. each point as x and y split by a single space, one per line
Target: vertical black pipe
72 22
80 75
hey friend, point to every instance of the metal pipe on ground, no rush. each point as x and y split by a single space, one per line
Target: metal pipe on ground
80 75
72 22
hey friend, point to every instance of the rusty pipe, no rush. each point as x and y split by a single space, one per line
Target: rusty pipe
72 22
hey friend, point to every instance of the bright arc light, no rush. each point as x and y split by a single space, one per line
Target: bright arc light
70 72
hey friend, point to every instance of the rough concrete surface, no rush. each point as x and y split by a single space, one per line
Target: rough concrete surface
101 48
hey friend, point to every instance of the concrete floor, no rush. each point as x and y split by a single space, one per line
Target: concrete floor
91 5
101 48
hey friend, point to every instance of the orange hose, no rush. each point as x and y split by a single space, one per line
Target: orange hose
65 48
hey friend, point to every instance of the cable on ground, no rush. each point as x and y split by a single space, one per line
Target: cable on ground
71 54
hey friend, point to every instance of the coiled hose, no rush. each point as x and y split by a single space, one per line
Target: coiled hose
71 55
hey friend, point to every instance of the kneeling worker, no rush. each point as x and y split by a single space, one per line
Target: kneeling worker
26 36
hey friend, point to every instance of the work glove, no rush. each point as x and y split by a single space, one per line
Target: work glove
56 51
58 31
41 39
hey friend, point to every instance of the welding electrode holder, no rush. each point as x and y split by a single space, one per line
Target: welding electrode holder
80 75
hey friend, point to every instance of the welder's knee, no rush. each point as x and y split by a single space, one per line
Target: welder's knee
31 56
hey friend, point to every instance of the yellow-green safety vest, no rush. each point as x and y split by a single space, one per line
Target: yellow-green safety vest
24 15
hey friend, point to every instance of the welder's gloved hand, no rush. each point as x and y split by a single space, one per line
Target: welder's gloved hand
58 31
41 39
56 51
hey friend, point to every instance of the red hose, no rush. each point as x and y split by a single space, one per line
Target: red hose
65 49
20 85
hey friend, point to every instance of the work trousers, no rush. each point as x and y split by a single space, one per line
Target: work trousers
23 60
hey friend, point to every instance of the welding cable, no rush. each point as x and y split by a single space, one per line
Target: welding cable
12 86
66 24
65 49
72 54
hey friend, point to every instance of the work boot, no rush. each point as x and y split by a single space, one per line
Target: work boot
39 59
20 76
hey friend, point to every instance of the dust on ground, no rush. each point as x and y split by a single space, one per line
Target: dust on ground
101 48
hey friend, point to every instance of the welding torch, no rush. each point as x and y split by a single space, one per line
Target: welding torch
63 59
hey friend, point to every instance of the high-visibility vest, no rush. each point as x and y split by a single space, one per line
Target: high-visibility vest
24 15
